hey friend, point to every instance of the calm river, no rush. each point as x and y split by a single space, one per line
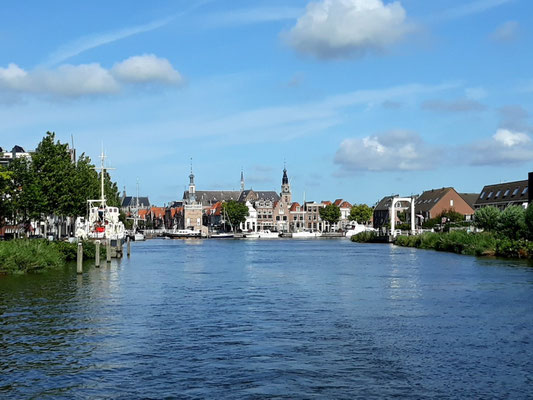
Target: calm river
270 319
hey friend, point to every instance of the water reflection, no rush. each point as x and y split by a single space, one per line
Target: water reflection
258 319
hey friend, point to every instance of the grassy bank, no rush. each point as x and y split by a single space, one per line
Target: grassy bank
475 244
23 256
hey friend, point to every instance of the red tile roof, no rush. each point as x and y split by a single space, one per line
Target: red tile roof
294 206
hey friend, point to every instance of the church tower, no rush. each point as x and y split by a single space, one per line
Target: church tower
242 181
285 188
192 188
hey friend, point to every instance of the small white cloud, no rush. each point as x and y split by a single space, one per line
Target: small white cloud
348 28
503 148
392 151
506 32
510 139
146 68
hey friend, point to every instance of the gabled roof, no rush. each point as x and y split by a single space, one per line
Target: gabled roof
344 204
142 213
504 193
294 206
385 203
131 201
157 212
254 195
326 202
430 198
338 202
470 198
209 197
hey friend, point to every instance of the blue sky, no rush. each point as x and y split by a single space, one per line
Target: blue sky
361 98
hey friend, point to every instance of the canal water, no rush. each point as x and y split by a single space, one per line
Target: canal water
235 319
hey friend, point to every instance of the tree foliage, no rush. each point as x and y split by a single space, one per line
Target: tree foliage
487 218
235 212
50 184
331 214
528 220
511 222
361 213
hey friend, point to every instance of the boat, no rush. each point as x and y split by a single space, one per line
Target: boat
305 235
183 233
250 235
267 234
102 221
138 236
356 228
222 235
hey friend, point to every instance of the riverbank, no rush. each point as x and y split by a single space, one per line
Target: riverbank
27 256
461 242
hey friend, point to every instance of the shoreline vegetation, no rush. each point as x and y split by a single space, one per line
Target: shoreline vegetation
36 255
506 233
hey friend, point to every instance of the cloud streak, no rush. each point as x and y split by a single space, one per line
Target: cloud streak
471 8
83 44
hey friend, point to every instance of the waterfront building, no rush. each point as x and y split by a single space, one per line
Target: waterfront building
129 204
263 203
503 195
296 217
313 222
251 220
192 209
433 202
345 208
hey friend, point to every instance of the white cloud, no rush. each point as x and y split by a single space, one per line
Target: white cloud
146 68
70 81
506 32
503 148
510 139
348 28
392 151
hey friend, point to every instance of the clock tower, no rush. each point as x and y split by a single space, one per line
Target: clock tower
285 189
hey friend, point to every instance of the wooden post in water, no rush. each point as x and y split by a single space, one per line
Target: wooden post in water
129 246
108 250
79 268
97 254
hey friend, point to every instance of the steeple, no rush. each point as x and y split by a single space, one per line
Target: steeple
285 187
192 187
242 180
285 179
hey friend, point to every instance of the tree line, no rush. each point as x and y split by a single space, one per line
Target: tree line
50 183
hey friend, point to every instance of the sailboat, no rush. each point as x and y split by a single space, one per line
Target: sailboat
136 235
102 221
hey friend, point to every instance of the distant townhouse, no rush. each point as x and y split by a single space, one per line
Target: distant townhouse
129 204
296 217
503 195
433 202
312 215
345 208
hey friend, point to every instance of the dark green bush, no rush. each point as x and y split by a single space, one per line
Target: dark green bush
364 237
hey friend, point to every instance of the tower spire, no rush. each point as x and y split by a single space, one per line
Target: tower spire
242 180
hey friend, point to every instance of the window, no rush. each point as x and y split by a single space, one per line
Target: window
437 199
451 203
482 195
515 192
489 195
284 218
524 191
277 218
497 194
506 193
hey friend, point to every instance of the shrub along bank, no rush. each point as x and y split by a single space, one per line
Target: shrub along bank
23 256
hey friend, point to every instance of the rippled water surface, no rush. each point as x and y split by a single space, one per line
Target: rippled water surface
270 319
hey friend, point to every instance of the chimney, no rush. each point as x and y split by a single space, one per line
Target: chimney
529 188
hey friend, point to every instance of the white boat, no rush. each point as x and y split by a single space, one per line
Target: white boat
102 221
138 237
250 235
183 233
222 235
267 234
306 235
355 228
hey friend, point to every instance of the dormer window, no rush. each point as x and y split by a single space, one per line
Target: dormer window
489 195
506 193
515 192
482 195
497 194
524 191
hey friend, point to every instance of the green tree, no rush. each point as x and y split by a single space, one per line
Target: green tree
331 214
487 218
528 220
361 213
5 195
234 212
512 222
